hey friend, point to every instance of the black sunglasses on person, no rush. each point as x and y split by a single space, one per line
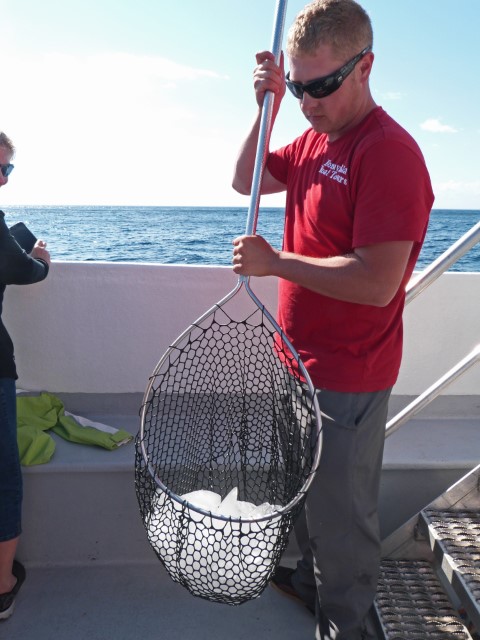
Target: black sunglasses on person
323 87
6 169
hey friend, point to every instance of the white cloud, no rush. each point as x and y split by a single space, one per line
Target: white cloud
457 186
153 65
435 126
457 194
110 128
392 95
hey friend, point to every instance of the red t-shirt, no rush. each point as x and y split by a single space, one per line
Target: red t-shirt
369 186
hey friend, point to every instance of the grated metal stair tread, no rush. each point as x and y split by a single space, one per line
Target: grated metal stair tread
411 604
454 537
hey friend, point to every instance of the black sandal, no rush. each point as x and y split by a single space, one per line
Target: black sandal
7 600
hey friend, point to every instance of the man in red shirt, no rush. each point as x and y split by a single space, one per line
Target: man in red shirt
358 197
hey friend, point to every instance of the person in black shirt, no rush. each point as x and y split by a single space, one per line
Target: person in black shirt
16 267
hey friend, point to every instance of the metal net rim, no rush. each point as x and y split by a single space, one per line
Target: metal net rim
300 496
278 513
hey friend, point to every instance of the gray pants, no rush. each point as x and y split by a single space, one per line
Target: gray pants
338 532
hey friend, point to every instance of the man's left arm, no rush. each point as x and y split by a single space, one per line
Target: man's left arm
369 275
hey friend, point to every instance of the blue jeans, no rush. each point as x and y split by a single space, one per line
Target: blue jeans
11 487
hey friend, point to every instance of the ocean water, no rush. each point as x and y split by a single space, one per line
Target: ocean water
192 235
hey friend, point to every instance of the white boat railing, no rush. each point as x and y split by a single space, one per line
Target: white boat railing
432 392
442 263
414 288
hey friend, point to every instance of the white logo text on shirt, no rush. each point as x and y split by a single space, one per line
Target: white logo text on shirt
337 172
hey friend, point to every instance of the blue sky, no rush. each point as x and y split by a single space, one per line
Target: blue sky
145 102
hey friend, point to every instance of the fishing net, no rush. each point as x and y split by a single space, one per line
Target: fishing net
230 436
229 442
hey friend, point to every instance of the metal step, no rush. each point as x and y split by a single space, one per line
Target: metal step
454 537
412 605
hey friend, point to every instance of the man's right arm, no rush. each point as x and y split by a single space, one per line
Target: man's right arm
267 77
244 167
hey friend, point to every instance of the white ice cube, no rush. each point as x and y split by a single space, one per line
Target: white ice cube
229 505
212 544
265 509
208 500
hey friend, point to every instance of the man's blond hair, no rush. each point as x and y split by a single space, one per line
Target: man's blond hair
342 24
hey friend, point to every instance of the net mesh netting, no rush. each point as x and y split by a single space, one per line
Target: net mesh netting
228 444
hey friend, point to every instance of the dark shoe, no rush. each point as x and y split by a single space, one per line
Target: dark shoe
7 600
282 581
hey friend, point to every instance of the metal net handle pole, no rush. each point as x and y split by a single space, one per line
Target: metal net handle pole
265 126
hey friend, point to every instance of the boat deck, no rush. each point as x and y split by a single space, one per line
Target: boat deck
140 602
92 574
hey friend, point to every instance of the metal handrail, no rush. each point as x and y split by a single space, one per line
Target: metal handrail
432 392
414 288
442 263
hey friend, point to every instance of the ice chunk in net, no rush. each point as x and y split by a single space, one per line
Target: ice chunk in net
232 507
208 500
186 544
265 509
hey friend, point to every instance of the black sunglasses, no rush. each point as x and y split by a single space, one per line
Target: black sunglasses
323 87
6 169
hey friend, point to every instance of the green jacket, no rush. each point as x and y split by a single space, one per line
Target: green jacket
38 414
